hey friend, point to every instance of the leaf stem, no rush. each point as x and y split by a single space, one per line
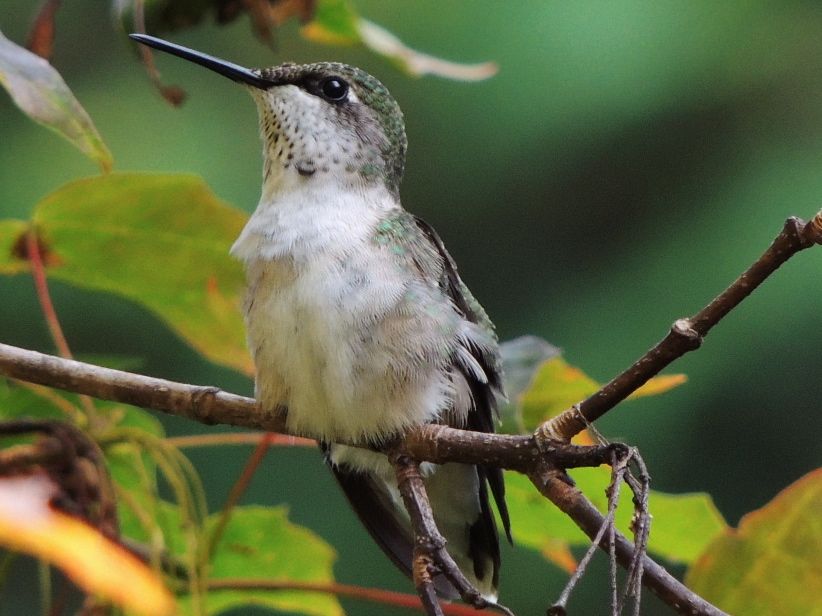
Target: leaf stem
239 438
374 595
237 491
38 273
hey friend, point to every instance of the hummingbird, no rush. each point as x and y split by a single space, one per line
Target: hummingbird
357 319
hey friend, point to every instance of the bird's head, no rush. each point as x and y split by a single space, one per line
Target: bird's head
318 119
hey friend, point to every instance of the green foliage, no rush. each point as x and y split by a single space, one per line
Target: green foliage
161 241
334 21
557 385
42 94
683 524
261 543
770 564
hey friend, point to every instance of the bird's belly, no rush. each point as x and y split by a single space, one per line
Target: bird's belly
347 352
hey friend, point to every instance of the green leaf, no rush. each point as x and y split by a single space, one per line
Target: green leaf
39 91
334 23
771 564
159 240
17 402
167 527
558 385
521 358
261 543
683 524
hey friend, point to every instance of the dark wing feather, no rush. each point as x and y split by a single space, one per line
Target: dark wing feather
484 416
369 499
379 516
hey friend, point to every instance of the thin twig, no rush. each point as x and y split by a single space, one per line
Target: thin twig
686 334
605 535
430 555
239 438
586 516
237 491
432 443
38 273
441 444
559 606
640 526
618 469
374 595
172 93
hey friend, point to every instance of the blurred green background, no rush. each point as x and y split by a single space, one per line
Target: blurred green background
627 162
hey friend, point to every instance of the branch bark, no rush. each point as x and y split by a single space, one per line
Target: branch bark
539 455
432 443
574 504
686 334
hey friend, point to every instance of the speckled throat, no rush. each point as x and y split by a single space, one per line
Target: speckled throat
363 136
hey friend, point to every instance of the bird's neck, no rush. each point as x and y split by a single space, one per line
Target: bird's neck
303 217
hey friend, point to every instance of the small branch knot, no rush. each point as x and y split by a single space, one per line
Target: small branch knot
203 399
684 328
560 429
430 544
813 229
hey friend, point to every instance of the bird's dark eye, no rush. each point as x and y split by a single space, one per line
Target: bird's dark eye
334 89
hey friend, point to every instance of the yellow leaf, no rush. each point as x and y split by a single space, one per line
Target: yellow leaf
771 564
559 553
318 33
558 385
659 385
28 524
334 23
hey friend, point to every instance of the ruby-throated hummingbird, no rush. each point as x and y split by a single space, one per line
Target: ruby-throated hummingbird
357 319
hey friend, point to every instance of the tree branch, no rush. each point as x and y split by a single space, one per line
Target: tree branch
208 405
541 456
375 595
430 556
686 334
211 405
573 503
432 443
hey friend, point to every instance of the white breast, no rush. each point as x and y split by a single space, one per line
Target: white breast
333 333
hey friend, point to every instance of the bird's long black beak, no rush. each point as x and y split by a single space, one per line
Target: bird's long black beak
226 69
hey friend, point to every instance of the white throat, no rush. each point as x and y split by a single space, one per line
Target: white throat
303 218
